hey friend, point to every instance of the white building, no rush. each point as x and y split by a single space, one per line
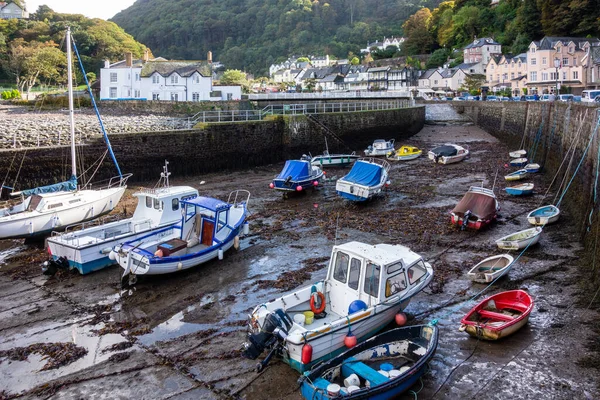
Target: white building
10 10
387 42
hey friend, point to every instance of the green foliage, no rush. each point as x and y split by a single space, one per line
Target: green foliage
474 82
10 94
438 58
354 61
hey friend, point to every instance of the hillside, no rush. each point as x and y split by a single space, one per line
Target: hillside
252 34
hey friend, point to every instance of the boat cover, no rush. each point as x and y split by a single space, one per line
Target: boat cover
207 202
295 168
445 151
67 186
480 205
364 173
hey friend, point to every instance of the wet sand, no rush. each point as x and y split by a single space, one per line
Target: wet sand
179 336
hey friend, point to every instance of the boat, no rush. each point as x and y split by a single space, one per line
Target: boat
532 168
498 316
477 209
518 162
405 153
403 352
544 215
365 287
522 189
333 160
366 179
520 240
518 154
86 248
297 175
380 147
45 209
491 268
517 175
448 154
208 228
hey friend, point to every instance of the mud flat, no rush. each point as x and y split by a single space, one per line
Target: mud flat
179 336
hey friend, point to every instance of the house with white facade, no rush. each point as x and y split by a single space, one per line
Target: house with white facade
9 10
387 42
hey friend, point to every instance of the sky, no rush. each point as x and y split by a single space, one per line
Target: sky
104 9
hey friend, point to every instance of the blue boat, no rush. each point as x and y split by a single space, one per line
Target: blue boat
380 368
297 175
518 162
366 179
532 168
517 175
522 189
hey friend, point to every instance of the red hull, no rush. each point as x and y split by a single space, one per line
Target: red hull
476 225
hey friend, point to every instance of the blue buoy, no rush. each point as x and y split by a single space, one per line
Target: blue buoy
386 367
356 306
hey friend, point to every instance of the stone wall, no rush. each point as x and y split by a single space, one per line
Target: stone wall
167 108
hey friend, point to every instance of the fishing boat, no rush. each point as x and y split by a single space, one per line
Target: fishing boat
365 287
380 147
518 162
208 228
86 248
379 368
544 215
518 154
333 160
517 175
520 240
498 316
405 153
48 208
448 154
297 175
532 168
522 189
491 268
477 209
366 179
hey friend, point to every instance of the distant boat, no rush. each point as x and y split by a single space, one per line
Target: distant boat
532 168
518 162
518 153
517 175
448 154
477 209
297 175
366 179
380 147
405 153
544 215
520 240
491 268
333 160
522 189
499 315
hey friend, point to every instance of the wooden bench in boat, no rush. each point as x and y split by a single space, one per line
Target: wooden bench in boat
354 366
495 315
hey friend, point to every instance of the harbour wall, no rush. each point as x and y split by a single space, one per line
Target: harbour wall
213 147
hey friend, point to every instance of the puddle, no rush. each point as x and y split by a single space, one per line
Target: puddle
7 249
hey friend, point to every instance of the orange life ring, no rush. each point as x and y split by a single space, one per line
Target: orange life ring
321 297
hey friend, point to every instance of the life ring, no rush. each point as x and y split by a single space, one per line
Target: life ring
321 297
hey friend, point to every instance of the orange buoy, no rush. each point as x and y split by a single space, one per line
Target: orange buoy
307 351
401 319
350 340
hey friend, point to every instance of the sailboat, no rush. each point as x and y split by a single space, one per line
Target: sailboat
54 207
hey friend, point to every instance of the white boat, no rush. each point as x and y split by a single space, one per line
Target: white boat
48 208
518 153
365 287
208 228
448 154
544 215
491 268
520 240
366 179
333 160
87 248
380 147
532 168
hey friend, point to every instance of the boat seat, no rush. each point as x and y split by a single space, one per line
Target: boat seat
495 315
353 366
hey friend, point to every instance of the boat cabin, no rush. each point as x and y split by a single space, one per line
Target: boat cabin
162 206
205 220
381 144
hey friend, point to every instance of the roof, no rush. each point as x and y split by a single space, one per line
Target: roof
382 254
208 203
549 42
427 74
123 64
466 65
378 69
481 42
182 68
331 78
167 191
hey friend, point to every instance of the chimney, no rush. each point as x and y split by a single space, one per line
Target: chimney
106 64
128 59
146 55
209 57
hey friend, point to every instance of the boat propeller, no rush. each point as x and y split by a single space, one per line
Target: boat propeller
272 335
465 220
51 267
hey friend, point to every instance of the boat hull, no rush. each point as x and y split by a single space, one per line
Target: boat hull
508 243
516 176
543 215
339 160
292 186
518 162
471 224
520 190
491 268
518 153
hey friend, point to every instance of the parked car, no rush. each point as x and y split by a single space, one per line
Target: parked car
470 98
530 98
577 99
565 97
588 96
597 100
505 99
447 98
493 98
459 98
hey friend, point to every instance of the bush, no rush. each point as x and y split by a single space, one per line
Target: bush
11 94
16 94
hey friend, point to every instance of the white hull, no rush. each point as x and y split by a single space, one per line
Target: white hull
448 160
518 153
513 242
543 219
360 191
483 272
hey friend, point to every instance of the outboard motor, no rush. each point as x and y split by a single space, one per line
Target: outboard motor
465 220
273 332
52 266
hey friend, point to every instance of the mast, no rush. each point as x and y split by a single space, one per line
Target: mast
71 111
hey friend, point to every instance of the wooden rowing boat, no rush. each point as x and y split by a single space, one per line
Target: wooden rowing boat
520 240
491 268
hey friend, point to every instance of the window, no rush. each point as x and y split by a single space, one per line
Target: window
195 96
55 205
564 76
416 272
137 93
565 61
137 77
533 76
544 60
435 82
544 76
74 201
155 79
148 202
394 268
174 96
395 284
533 61
340 271
222 220
155 96
175 204
112 92
113 77
157 204
575 75
571 49
196 79
354 274
554 76
229 96
372 280
512 75
174 79
532 50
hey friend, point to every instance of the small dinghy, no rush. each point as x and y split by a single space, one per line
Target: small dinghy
517 175
498 316
333 160
297 175
520 240
543 215
518 154
522 189
366 179
382 367
448 154
518 162
477 209
405 153
532 168
491 268
380 147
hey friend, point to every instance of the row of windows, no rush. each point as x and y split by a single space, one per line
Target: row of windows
558 49
114 77
565 61
554 76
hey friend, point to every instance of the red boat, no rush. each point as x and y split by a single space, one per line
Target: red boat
499 315
477 209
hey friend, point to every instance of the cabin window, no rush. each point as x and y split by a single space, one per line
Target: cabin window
148 202
354 274
175 204
74 201
416 272
394 268
340 271
395 284
157 204
222 219
55 205
372 280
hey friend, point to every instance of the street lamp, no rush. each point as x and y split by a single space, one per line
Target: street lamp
557 66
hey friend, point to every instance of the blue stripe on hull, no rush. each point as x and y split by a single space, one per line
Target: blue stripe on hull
91 266
352 197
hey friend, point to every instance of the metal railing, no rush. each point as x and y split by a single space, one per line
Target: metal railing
353 94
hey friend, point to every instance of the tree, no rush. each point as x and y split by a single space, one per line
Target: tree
233 77
416 30
303 59
354 61
528 21
44 60
438 58
474 81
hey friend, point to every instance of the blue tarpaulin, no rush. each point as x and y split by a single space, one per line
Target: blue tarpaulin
363 173
297 169
67 186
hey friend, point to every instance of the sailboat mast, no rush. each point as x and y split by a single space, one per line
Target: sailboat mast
71 111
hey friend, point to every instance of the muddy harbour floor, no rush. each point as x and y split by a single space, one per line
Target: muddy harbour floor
179 336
